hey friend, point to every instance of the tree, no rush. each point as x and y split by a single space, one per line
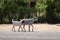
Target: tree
51 13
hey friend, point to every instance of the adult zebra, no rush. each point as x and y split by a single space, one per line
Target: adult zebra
29 22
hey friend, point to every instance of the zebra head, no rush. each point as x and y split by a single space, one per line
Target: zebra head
35 19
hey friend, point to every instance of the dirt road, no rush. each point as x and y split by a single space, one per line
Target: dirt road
37 27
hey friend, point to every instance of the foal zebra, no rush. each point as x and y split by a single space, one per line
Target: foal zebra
16 23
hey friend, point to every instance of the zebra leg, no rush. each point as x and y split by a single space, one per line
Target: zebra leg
19 28
32 27
13 29
29 28
24 28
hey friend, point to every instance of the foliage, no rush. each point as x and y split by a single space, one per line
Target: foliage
46 10
52 11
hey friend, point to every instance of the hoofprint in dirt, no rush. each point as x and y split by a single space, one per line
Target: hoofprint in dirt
37 27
